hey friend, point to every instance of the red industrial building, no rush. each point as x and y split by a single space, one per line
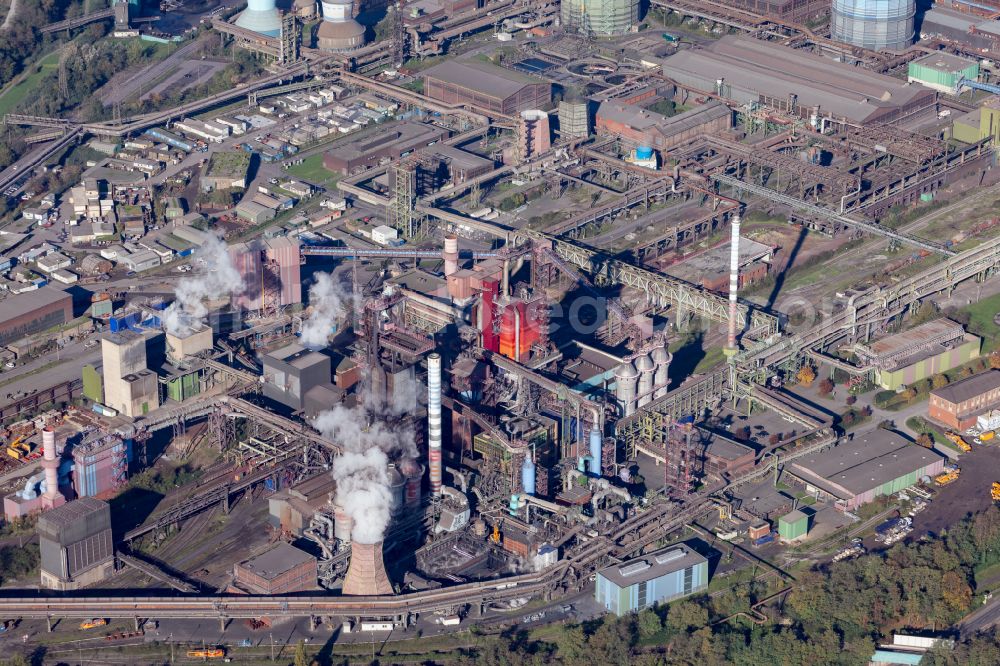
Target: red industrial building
271 272
281 569
485 86
509 326
957 405
648 128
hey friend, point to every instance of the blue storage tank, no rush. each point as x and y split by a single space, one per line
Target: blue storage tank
528 476
643 153
595 451
582 463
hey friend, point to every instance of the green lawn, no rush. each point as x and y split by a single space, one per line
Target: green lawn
13 95
713 356
312 170
981 319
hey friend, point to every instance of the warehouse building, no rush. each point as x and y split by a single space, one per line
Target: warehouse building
942 71
75 544
855 472
33 312
281 569
642 127
795 11
979 124
958 405
659 577
487 87
921 352
750 71
391 143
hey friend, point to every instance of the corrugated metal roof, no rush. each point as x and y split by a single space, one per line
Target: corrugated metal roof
481 77
971 387
776 71
21 304
642 119
72 512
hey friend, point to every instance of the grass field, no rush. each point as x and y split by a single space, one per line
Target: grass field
981 320
312 170
13 95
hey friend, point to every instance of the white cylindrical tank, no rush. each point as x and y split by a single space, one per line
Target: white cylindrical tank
626 377
661 378
450 255
873 24
647 371
596 442
528 476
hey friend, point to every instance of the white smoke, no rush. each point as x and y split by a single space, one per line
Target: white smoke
361 473
219 278
330 303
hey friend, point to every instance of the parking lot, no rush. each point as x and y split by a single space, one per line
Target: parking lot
969 494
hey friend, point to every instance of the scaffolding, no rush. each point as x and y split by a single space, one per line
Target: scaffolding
401 212
288 48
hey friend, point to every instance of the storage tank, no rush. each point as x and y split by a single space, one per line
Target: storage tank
261 16
647 370
339 31
873 24
644 152
528 476
595 451
661 378
600 18
626 377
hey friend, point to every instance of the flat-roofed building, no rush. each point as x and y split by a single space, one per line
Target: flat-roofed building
647 128
291 371
672 573
958 405
76 545
390 143
874 463
33 312
487 87
281 569
920 352
751 71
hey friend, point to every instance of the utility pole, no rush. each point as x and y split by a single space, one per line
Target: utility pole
272 646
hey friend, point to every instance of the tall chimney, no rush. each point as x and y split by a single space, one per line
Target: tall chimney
734 280
434 421
450 255
366 576
51 497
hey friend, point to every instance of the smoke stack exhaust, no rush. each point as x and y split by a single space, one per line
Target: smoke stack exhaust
366 576
734 280
434 421
51 497
450 255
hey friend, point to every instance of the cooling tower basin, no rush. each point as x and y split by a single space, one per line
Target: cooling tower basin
366 576
261 16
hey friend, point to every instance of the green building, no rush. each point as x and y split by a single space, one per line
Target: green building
913 355
660 577
182 387
792 526
942 71
980 124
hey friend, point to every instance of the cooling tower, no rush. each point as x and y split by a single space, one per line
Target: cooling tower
339 31
261 16
366 576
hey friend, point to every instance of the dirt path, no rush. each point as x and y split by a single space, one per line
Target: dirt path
11 14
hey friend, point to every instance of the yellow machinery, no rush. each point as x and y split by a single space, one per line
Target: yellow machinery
96 622
18 449
987 436
959 442
945 478
995 492
206 653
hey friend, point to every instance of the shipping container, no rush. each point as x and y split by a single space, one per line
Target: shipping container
377 626
766 539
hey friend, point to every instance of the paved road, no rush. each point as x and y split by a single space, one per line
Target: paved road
116 91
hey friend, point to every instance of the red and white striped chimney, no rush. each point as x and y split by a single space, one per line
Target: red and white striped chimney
734 282
434 421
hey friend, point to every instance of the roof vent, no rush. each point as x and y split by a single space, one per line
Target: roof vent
669 556
634 568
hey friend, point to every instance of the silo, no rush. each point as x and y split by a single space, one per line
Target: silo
647 370
661 378
528 476
600 18
342 524
873 24
339 31
261 16
397 485
626 377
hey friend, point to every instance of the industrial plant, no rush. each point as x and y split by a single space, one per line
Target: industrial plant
421 318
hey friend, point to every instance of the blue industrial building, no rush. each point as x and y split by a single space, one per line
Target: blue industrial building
668 574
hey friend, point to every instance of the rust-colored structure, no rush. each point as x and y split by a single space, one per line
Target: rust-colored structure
366 575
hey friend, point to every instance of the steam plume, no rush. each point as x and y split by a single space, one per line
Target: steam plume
360 472
330 303
220 278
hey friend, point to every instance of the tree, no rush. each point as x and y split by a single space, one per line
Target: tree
995 360
887 424
925 440
774 439
939 381
686 615
301 658
806 375
572 645
648 623
909 394
825 386
851 399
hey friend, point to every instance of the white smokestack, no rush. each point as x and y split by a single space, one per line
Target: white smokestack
330 303
434 421
219 278
450 255
51 466
734 280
